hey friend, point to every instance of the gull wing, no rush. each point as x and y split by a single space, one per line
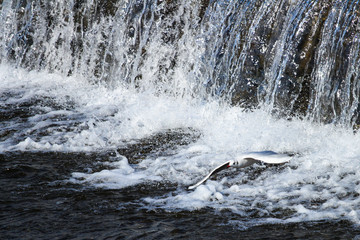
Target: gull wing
268 157
214 171
246 160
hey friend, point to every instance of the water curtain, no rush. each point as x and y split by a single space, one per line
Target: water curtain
291 57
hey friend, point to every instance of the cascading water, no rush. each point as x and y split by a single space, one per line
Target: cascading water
143 98
296 57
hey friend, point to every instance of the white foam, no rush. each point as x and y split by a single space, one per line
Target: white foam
320 182
122 176
201 197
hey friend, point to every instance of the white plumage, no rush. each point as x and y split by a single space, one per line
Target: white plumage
246 160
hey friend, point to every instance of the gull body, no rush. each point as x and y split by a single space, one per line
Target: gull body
247 159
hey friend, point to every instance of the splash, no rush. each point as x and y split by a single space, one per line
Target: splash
246 75
289 57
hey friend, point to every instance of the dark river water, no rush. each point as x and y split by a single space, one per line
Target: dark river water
37 202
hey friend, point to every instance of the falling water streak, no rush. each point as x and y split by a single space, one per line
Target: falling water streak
284 51
295 57
352 88
349 100
327 77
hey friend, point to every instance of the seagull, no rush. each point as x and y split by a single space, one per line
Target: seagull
246 160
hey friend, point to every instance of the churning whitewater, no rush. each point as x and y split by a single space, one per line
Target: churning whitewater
319 183
80 77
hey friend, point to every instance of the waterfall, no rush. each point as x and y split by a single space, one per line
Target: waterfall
291 57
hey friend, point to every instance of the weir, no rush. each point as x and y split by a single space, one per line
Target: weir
111 109
291 57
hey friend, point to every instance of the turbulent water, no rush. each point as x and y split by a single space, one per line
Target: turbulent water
110 109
